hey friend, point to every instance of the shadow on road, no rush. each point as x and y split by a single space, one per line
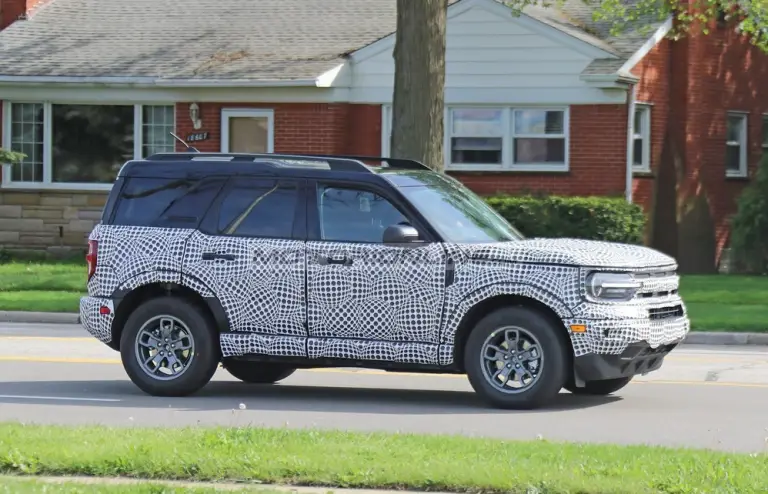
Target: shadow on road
278 397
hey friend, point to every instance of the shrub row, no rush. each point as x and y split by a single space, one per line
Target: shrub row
594 218
749 226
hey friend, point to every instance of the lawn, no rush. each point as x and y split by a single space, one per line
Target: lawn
374 460
715 303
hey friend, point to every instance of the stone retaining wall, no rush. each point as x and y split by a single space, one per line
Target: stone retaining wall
57 222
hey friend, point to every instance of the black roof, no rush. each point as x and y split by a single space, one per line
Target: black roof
195 164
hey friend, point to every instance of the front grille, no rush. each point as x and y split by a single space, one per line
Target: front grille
658 313
661 293
657 284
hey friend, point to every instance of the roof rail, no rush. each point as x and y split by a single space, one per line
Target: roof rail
403 163
335 163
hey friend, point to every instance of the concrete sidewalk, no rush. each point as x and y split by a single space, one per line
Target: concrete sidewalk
252 486
695 337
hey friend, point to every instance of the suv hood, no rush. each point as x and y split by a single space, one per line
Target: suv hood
571 251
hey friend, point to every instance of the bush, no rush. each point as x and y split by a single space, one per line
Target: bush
594 218
749 226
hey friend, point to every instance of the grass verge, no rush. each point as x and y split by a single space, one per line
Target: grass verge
378 460
715 303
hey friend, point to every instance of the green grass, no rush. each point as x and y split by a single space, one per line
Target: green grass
376 460
715 303
42 286
17 485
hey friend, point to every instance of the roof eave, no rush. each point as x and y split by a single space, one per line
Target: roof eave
6 80
617 79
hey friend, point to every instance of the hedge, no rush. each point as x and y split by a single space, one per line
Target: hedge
595 218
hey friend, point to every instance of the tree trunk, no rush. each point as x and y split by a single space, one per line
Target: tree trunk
418 101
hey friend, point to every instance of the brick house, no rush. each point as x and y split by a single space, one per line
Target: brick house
547 101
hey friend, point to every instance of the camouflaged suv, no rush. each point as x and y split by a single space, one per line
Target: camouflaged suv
268 263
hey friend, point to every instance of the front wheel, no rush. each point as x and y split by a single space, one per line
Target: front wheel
515 358
169 347
599 388
256 372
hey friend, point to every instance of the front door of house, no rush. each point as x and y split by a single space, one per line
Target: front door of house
245 130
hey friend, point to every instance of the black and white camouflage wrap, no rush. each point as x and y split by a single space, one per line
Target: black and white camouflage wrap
283 297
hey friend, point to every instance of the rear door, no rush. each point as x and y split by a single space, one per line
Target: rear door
144 229
249 254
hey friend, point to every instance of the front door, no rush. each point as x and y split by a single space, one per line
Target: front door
249 253
367 300
247 131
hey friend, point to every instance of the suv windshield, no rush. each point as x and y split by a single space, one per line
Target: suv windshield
458 213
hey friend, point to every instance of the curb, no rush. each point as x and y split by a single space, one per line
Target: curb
693 338
39 317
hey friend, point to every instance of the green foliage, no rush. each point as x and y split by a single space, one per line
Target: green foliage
11 157
749 226
594 218
638 16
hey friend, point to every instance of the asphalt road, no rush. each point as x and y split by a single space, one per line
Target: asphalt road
709 397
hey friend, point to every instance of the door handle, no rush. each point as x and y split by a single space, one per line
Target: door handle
340 260
211 256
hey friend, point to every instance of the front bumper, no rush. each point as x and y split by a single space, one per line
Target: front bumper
621 340
637 358
93 320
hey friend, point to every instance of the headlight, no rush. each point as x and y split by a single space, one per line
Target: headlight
612 286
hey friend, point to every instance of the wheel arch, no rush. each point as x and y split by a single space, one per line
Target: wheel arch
126 301
498 301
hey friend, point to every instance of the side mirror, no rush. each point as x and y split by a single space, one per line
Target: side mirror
401 234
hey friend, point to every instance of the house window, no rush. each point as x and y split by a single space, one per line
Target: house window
736 145
641 132
500 138
476 136
82 145
539 138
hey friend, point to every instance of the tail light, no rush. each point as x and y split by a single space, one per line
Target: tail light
90 257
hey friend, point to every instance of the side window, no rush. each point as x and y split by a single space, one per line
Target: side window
258 208
165 202
352 215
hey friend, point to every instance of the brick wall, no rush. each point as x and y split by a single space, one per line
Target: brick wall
597 159
299 127
688 195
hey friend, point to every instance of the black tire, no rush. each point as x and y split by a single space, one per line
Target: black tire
552 374
257 372
599 388
204 359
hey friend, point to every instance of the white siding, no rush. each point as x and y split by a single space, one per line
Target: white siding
491 58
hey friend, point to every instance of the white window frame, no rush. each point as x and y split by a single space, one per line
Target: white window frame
743 152
47 183
227 113
507 139
644 134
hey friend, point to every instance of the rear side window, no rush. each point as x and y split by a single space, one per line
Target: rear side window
165 202
258 208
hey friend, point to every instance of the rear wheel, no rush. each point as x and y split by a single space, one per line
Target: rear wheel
515 358
599 388
257 372
169 347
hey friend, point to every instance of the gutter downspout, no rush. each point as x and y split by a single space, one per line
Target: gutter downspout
631 94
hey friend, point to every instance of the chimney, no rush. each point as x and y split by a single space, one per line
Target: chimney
13 10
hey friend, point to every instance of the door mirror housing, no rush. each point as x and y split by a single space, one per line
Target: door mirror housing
401 234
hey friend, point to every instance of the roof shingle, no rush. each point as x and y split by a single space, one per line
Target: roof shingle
253 40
